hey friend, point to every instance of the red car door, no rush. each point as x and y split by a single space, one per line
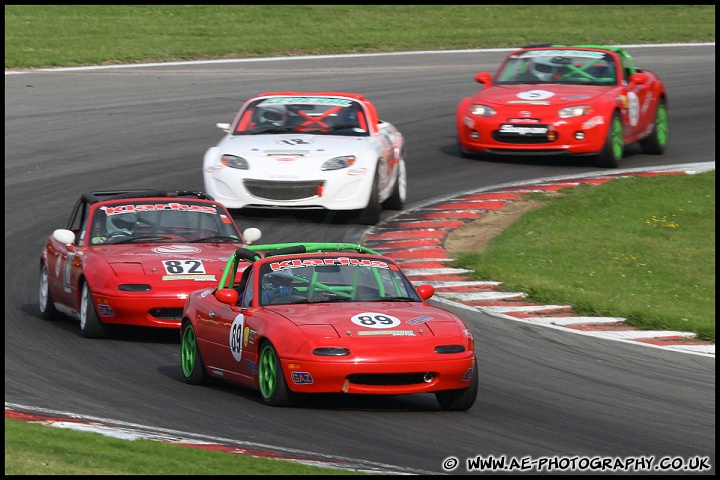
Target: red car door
230 336
60 263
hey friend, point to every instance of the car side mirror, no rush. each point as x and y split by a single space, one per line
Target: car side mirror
223 126
251 235
66 237
426 291
484 78
228 296
638 78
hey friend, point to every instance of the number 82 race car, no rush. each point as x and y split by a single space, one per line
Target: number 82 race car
131 257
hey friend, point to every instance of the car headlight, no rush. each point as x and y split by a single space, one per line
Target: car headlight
339 162
235 162
482 111
575 111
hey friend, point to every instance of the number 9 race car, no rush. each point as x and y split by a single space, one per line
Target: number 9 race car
293 319
565 100
294 150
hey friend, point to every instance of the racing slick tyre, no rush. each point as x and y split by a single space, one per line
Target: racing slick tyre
612 152
193 367
462 399
273 388
396 200
656 143
90 324
465 154
45 300
370 215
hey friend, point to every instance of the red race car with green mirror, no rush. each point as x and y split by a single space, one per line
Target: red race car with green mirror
546 100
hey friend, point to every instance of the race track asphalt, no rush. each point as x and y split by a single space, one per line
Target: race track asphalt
416 239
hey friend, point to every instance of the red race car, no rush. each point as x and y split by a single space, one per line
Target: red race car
558 100
132 257
325 318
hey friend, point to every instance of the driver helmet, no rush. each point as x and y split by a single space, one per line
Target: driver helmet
123 223
273 115
544 69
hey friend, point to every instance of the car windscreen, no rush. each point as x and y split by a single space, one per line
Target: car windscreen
581 67
311 279
162 221
310 115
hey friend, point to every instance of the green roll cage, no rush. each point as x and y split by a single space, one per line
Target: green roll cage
312 286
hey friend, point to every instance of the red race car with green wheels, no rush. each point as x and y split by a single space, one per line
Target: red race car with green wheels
131 257
565 100
294 319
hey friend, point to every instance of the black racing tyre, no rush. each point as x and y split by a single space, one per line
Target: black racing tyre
658 140
461 399
612 152
273 388
193 367
396 200
46 304
465 154
370 215
90 324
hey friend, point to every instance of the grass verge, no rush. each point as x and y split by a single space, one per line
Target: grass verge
73 35
642 248
35 449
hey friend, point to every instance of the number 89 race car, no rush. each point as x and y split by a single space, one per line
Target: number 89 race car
565 100
294 319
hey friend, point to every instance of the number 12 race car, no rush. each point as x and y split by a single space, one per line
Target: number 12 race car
131 257
560 100
294 150
292 319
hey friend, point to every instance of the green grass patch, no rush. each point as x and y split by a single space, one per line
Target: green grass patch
73 35
36 449
642 248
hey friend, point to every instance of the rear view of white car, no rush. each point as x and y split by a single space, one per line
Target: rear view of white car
294 150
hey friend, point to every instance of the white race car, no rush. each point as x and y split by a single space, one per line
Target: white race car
295 150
